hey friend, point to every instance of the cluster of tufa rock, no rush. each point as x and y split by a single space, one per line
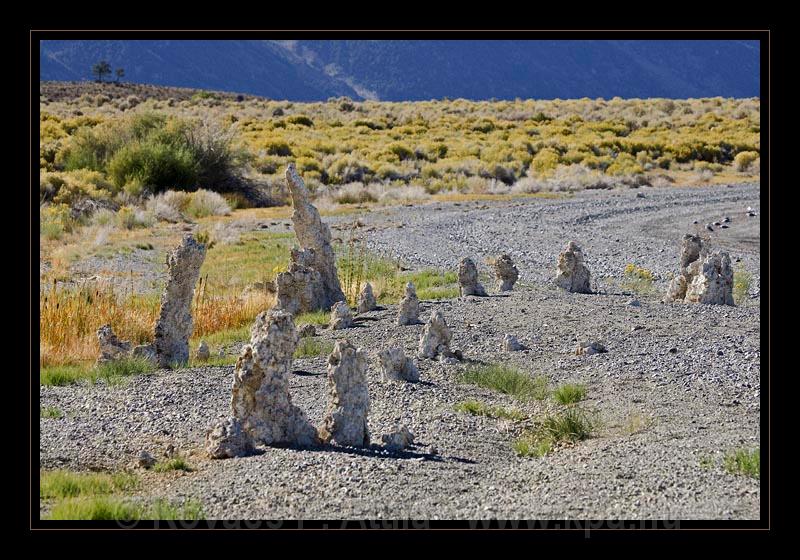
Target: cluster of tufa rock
174 325
571 273
311 283
505 272
261 406
468 279
704 278
408 310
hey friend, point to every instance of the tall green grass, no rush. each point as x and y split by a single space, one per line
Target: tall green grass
507 379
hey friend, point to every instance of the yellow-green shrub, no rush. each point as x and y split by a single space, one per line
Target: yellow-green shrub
545 161
624 164
743 160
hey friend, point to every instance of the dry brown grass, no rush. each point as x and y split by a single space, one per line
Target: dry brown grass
69 318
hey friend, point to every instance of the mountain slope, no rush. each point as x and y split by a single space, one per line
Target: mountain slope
415 70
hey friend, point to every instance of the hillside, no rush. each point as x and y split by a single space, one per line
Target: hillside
313 70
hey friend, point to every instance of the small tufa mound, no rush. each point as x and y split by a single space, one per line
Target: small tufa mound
203 353
144 460
435 339
589 348
228 439
714 282
511 344
468 279
398 440
111 348
571 274
341 317
408 311
396 366
345 421
366 299
505 272
703 278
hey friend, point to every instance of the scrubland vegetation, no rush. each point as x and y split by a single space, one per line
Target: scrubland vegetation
121 173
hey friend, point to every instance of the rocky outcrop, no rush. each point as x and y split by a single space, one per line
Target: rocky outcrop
366 299
228 439
396 366
341 317
408 310
261 402
505 272
311 283
703 278
345 420
572 274
468 279
111 348
435 339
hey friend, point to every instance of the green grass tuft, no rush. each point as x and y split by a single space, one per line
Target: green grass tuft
174 464
741 285
477 408
68 484
321 318
78 495
569 393
744 461
111 372
50 412
312 347
507 379
569 425
115 508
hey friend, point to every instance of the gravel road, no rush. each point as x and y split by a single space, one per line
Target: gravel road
688 378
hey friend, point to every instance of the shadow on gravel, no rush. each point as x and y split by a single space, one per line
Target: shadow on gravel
383 453
304 373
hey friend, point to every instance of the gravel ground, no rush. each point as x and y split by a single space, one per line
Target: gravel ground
613 228
692 371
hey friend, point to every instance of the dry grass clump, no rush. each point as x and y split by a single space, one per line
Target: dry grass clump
177 206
